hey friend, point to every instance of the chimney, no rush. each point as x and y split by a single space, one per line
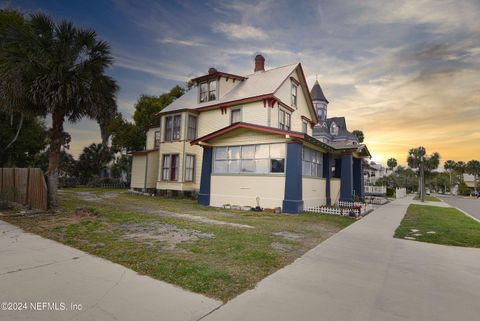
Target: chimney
259 63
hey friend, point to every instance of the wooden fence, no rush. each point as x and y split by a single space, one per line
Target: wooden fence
25 186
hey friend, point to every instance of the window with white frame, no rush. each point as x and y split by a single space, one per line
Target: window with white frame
192 127
294 94
250 159
156 142
208 91
312 163
235 115
189 168
173 127
333 129
284 119
170 167
304 126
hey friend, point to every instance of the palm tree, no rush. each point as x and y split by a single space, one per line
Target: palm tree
473 168
392 163
450 166
62 70
417 159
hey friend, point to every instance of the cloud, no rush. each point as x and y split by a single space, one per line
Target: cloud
181 42
238 31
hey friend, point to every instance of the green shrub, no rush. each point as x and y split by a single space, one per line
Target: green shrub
463 189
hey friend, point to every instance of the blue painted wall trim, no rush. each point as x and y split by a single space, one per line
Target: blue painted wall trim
293 201
346 188
358 186
327 174
206 177
338 168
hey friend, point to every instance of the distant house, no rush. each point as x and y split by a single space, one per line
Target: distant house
373 172
262 138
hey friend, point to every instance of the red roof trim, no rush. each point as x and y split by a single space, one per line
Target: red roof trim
235 102
217 75
309 95
248 126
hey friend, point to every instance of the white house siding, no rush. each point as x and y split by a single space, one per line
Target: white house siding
151 137
152 169
181 147
246 137
313 191
138 171
335 189
302 109
213 120
243 190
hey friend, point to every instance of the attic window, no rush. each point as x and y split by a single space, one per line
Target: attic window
294 94
334 129
208 91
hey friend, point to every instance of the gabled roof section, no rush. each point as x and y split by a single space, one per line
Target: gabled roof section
258 128
256 86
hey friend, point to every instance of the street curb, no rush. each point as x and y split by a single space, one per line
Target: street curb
476 219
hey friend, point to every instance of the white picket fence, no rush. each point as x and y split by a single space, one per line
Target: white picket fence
400 192
375 190
342 208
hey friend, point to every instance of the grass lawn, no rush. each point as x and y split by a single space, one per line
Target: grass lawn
428 198
451 226
179 241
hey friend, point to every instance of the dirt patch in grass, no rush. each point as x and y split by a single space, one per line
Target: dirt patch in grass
198 248
154 231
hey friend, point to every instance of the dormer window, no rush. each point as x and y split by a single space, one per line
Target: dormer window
208 91
334 129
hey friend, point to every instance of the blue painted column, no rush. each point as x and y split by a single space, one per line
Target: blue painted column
327 174
338 168
205 180
346 188
293 201
358 178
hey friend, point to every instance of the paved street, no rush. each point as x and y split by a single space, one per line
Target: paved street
34 269
363 273
469 205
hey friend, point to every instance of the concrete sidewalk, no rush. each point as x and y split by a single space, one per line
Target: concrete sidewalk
34 269
363 273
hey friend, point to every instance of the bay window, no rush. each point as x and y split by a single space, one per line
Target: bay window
170 167
189 168
253 159
173 127
312 163
192 127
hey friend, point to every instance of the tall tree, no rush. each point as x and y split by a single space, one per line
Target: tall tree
359 135
418 159
62 71
93 160
392 163
473 168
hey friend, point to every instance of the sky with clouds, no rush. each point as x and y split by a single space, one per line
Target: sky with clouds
407 73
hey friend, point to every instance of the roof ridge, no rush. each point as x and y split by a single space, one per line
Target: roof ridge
256 73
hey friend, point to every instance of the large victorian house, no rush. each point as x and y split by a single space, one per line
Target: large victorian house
261 138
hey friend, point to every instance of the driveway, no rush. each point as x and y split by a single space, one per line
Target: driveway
34 269
363 273
469 205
